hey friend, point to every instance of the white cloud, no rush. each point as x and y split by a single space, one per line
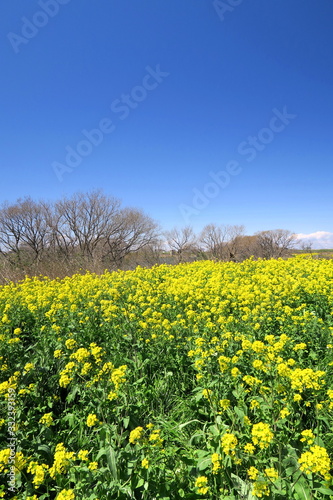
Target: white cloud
319 239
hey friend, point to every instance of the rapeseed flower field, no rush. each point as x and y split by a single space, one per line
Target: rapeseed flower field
197 381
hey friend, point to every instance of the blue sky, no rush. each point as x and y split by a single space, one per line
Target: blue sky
155 98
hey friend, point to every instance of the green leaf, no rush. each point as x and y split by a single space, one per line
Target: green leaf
204 460
325 491
140 483
45 450
181 426
72 394
101 452
199 434
243 488
290 471
111 460
301 487
240 414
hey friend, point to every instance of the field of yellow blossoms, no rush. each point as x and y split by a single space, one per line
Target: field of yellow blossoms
197 381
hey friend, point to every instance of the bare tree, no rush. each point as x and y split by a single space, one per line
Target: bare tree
82 222
306 246
129 231
247 247
24 231
221 242
275 243
234 232
11 230
181 240
214 238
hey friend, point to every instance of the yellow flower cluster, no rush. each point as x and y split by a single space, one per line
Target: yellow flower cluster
38 471
4 457
92 420
66 495
229 443
316 460
136 435
62 460
261 435
47 419
201 483
216 463
155 438
260 489
308 436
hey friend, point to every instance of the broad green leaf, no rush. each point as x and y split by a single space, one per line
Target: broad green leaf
111 459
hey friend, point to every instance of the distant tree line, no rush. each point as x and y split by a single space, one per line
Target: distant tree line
92 231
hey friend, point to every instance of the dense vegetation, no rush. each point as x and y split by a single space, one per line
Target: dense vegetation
203 380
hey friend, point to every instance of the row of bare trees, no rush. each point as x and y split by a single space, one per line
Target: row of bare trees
92 231
229 243
87 230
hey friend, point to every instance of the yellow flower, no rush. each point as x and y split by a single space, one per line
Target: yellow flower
316 460
201 484
70 343
118 376
308 436
57 353
299 347
38 471
156 438
145 463
4 457
136 435
66 495
235 372
112 395
271 473
258 346
229 443
216 462
258 364
91 420
224 403
284 412
20 461
83 455
254 404
93 466
207 393
64 380
249 448
247 421
260 489
253 473
62 460
46 419
80 355
261 435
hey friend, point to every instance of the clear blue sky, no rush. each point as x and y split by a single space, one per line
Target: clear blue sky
181 89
